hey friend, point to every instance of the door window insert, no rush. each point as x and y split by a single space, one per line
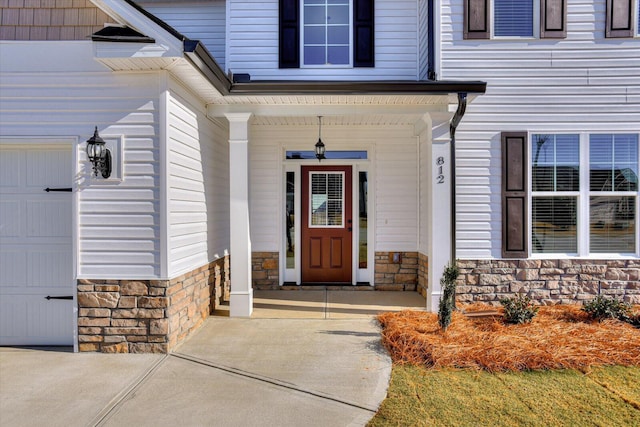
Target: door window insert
327 199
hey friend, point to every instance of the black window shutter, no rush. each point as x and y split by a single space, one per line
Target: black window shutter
289 41
619 18
476 19
514 195
553 19
363 33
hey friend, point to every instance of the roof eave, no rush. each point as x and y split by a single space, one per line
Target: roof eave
206 64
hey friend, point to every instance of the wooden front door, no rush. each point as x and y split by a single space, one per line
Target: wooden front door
326 224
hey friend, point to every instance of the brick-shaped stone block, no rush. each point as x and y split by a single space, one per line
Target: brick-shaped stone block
98 321
152 302
121 347
88 346
97 299
159 327
125 331
94 312
148 348
134 288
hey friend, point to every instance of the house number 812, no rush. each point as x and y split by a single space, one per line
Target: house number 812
440 177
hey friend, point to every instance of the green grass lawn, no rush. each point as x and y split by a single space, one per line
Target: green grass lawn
418 397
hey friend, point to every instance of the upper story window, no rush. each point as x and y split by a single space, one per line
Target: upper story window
513 18
485 19
326 33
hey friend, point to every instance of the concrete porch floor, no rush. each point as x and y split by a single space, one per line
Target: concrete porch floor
328 304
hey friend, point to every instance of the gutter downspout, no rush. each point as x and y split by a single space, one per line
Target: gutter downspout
455 121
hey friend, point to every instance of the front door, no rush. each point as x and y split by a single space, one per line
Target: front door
326 224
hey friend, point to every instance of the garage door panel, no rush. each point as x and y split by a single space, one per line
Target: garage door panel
33 320
48 168
13 266
50 321
10 165
46 218
53 271
36 257
11 224
14 318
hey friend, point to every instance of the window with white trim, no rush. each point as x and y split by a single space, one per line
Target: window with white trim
613 188
584 193
326 35
513 18
485 19
555 185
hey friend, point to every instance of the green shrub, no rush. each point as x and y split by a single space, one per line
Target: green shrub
448 300
607 308
519 309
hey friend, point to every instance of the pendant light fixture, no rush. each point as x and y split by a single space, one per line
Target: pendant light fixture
320 149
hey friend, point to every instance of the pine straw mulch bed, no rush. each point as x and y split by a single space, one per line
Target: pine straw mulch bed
559 337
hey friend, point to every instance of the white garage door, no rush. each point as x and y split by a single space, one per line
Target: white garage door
36 262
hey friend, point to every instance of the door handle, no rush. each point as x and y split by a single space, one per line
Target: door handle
349 229
69 190
49 297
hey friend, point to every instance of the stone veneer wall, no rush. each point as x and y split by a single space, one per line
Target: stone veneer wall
423 274
564 281
396 275
265 270
147 316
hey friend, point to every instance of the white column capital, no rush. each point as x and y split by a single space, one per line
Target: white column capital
238 126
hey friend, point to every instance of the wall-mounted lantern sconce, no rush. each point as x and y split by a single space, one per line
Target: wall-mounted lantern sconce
99 155
320 145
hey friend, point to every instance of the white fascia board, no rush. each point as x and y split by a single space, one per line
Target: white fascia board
166 45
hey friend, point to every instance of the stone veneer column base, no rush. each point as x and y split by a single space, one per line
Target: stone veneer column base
423 274
148 316
564 281
265 270
396 271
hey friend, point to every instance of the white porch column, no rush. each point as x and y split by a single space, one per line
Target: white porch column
241 298
439 222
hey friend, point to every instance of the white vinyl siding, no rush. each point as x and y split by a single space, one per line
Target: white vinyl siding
253 44
197 20
118 225
396 198
198 184
264 191
584 83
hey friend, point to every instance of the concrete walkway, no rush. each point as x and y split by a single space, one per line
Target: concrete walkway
283 370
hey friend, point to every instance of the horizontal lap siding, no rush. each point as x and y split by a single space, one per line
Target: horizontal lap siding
264 191
253 43
583 83
204 21
396 197
198 184
118 221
